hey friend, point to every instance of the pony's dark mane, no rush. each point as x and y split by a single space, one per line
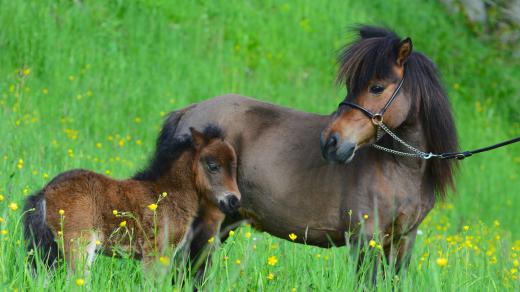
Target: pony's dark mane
169 148
373 55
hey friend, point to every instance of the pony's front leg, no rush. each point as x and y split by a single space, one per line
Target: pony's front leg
400 252
205 236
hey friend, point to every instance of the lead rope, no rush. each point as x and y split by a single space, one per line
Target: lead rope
416 152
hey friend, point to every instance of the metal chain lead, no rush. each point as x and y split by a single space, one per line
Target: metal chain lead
417 153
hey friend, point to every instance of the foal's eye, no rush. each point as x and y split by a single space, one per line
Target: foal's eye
212 166
377 89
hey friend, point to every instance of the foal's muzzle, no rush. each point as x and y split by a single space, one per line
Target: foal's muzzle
335 150
229 204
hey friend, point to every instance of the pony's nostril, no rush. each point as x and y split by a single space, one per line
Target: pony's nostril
333 140
233 202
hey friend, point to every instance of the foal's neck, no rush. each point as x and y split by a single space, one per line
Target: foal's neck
179 183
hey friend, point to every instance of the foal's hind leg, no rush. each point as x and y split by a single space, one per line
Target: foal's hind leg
80 249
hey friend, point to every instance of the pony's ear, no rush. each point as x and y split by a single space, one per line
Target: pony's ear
404 49
199 140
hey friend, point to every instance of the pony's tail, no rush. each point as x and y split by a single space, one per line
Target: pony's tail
38 235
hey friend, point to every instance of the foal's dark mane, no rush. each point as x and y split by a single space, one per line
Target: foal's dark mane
373 55
169 147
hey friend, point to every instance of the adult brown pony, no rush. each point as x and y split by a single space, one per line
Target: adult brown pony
288 187
193 177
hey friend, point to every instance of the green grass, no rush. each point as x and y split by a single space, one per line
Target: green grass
104 73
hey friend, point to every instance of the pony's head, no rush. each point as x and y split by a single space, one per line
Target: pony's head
215 169
376 67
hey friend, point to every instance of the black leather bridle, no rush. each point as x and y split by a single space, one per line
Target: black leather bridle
377 120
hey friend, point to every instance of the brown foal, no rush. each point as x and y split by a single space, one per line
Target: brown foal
190 178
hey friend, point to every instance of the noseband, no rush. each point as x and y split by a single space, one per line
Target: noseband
377 120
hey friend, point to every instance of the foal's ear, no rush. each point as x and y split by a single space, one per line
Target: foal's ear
404 49
199 140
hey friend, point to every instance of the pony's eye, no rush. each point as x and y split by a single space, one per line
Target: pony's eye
212 166
377 89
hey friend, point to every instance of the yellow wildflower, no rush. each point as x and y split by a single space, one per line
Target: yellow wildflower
80 282
98 242
372 243
99 145
2 220
211 240
272 260
365 216
247 235
45 91
293 236
45 176
270 276
122 224
231 233
4 232
61 212
164 194
13 206
26 71
114 212
466 227
165 261
441 262
515 263
152 207
1 198
237 262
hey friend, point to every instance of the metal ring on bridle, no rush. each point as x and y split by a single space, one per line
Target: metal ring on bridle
377 119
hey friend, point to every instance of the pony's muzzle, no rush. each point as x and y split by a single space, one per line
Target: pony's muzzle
334 149
229 204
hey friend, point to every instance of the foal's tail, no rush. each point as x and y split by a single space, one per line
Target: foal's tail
37 233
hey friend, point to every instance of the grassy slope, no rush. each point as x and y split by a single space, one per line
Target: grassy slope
107 72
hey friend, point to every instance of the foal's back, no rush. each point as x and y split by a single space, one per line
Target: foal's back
90 198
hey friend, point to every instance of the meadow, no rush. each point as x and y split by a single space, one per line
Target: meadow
86 84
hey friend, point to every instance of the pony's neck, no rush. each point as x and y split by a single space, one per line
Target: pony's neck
411 132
